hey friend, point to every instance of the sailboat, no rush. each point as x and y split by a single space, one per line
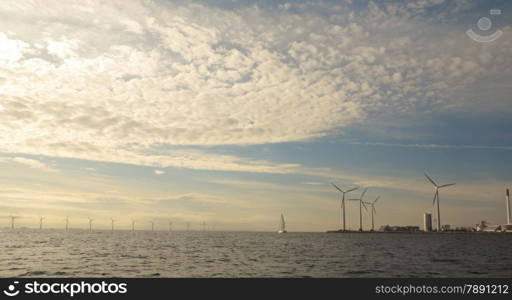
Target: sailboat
282 227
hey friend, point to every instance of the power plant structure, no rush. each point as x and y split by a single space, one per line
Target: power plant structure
374 211
41 218
361 205
436 198
343 219
427 222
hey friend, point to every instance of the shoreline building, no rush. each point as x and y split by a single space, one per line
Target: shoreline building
427 222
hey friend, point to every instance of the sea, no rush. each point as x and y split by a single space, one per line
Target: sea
198 254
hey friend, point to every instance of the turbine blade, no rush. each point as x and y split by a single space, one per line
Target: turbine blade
445 185
351 190
435 196
336 187
364 206
377 199
430 179
374 210
364 192
354 199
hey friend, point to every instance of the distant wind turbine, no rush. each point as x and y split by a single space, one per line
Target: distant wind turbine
67 222
90 224
41 218
361 205
170 226
436 197
372 204
152 225
133 225
111 219
343 201
12 221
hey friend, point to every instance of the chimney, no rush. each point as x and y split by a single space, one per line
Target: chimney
508 208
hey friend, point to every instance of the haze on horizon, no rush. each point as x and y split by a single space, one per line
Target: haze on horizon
233 112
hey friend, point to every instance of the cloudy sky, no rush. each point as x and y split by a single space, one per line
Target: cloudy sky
233 112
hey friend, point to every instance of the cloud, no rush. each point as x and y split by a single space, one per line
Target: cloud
32 163
159 172
433 146
109 84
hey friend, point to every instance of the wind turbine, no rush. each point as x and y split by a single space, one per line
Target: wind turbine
67 222
152 225
170 226
133 225
41 218
12 221
90 224
343 201
112 220
374 211
361 205
436 196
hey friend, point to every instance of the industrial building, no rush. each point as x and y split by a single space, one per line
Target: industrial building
427 222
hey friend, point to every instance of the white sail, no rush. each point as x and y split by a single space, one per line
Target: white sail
282 228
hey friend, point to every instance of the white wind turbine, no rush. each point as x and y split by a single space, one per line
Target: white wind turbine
12 221
436 196
90 224
343 201
112 220
133 225
374 211
41 218
67 222
361 205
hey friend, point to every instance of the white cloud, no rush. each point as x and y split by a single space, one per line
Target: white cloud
92 80
159 172
32 163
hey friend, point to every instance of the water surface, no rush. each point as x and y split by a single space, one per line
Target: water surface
56 253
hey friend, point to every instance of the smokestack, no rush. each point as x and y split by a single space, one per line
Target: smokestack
508 208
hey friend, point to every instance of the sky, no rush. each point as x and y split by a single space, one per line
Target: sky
233 112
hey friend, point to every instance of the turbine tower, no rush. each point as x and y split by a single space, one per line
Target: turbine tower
343 202
133 225
112 220
152 225
374 211
170 226
361 205
41 218
90 224
12 221
67 222
436 197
